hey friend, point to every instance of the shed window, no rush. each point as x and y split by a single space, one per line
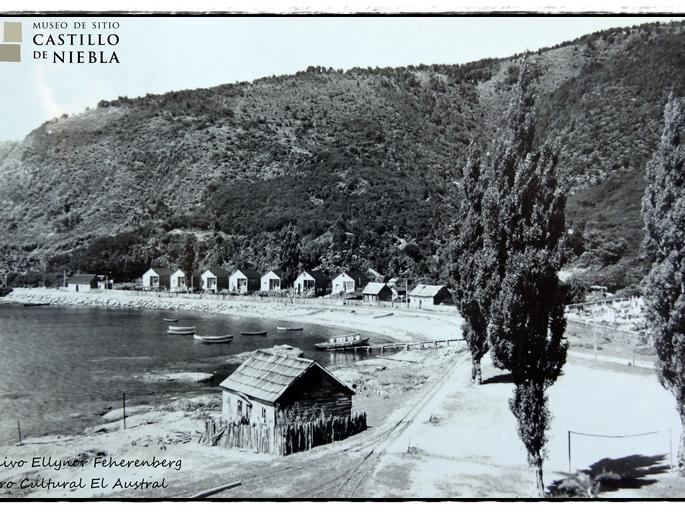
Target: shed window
240 407
263 413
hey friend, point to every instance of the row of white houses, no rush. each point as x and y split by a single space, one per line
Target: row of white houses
245 280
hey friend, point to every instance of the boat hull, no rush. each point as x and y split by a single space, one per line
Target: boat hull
262 333
180 331
213 339
341 346
290 329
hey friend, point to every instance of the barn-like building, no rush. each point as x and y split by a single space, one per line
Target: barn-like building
272 382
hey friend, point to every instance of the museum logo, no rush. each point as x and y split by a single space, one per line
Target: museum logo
10 39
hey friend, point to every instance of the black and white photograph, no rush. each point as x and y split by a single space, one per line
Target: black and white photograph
371 256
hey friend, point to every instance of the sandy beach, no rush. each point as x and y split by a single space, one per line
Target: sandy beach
427 423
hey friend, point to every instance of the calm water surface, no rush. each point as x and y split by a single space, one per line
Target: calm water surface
61 367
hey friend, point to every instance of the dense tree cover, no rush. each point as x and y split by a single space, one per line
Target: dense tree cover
664 217
358 162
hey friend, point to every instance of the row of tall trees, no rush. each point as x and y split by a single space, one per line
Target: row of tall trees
503 256
503 253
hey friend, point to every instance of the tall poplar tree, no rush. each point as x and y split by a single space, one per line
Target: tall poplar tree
663 209
524 226
471 280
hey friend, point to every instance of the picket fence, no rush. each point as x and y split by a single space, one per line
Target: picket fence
282 439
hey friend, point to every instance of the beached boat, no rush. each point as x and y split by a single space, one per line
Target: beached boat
383 315
343 342
213 339
32 304
180 331
258 333
170 320
289 329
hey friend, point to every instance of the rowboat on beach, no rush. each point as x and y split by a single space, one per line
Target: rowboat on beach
384 315
213 339
170 320
258 333
342 342
33 304
289 329
180 331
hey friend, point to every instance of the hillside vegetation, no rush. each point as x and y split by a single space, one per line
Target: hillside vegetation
358 163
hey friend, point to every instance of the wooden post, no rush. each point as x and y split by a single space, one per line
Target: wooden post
19 430
569 451
124 404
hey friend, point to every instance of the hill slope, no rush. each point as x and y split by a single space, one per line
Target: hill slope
356 162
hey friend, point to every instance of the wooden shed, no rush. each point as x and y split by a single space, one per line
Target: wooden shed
428 295
272 383
82 283
349 281
272 280
157 278
243 280
375 292
312 280
214 280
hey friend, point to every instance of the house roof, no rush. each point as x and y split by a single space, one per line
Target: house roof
276 272
248 272
373 288
268 374
161 271
426 291
355 275
217 272
318 276
82 279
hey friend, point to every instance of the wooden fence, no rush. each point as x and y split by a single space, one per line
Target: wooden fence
282 439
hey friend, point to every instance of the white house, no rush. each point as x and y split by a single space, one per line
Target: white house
214 280
157 278
312 280
426 295
243 281
348 282
82 283
272 281
181 282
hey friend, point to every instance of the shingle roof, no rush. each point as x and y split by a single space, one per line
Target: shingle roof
426 291
248 272
218 272
162 271
81 279
276 272
319 276
266 375
373 288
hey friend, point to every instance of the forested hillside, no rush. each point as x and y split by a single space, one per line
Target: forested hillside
357 163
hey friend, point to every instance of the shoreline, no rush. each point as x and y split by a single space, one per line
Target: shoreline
404 325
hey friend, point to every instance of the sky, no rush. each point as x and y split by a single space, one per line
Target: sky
166 54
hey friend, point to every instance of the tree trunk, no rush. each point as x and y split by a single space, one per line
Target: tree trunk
476 373
538 478
681 447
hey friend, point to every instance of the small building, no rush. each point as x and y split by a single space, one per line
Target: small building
348 282
272 280
375 292
271 383
180 282
312 280
243 280
104 282
214 280
157 278
399 293
426 295
82 283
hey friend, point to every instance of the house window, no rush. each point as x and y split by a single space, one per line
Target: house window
240 407
263 413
